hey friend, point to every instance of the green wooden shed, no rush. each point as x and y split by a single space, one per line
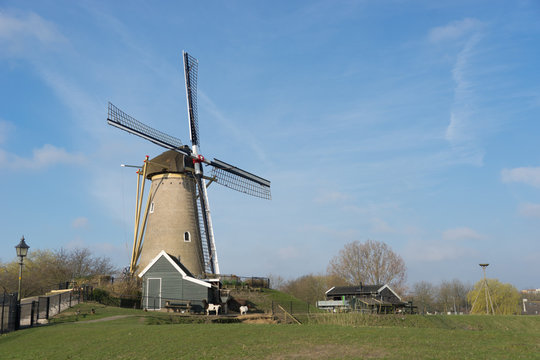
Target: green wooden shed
166 283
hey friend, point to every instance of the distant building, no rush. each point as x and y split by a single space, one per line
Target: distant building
531 292
380 299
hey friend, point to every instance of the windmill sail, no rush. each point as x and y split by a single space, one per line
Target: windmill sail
121 120
179 219
191 66
240 180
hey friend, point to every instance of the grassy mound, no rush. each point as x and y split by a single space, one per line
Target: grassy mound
447 322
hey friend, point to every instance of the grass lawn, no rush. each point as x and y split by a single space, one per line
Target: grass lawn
413 337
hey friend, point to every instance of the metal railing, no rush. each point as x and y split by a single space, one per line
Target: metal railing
15 314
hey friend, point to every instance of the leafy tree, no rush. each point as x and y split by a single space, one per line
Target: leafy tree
371 262
505 298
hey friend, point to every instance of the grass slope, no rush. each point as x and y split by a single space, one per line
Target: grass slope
264 300
415 337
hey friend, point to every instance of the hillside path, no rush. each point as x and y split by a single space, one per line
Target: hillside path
110 318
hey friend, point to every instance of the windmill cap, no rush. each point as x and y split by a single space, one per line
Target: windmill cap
169 162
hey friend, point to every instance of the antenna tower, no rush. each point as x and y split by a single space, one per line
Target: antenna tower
489 302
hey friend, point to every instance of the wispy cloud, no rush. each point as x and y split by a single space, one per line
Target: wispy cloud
529 210
381 226
462 130
80 222
458 129
20 34
341 234
331 197
289 252
46 156
241 134
526 175
453 31
462 233
5 129
433 251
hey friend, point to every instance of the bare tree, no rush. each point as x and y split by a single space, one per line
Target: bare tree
423 295
45 269
311 288
276 281
371 262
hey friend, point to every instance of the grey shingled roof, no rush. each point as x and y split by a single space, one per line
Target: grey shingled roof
354 290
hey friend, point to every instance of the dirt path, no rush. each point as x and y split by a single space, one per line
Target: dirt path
110 318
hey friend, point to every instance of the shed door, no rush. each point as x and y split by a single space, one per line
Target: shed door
153 297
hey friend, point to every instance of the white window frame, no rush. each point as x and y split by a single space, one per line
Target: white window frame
189 236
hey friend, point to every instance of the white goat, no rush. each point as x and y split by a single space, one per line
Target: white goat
212 307
243 310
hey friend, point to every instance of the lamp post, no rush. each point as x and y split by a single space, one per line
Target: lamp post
22 251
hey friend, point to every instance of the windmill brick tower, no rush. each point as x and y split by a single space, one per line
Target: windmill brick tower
177 215
173 220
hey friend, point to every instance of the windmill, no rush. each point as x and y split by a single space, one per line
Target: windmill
177 214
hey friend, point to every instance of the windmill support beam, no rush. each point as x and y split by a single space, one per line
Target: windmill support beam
137 235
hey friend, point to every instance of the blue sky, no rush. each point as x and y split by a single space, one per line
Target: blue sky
409 122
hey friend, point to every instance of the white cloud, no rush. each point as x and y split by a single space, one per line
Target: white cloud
527 175
20 34
530 210
48 155
5 129
433 251
462 233
453 31
381 226
80 222
289 252
345 235
331 197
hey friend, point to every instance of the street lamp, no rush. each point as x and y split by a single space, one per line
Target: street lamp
22 251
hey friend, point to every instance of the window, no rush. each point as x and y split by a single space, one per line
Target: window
187 236
152 207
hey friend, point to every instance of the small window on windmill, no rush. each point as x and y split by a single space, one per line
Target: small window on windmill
187 236
152 207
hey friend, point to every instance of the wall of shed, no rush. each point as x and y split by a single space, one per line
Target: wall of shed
389 296
173 287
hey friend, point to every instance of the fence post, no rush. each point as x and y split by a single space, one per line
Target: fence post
17 312
32 313
70 293
48 307
2 317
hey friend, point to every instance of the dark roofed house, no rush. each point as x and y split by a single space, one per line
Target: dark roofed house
364 298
